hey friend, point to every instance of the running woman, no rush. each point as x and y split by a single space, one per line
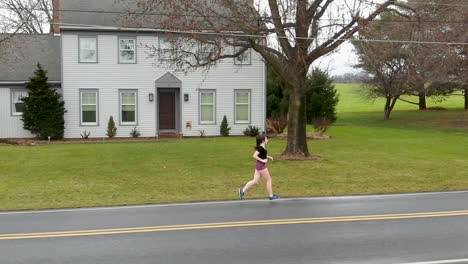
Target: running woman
261 170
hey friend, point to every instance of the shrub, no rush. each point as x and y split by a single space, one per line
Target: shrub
321 124
270 130
322 97
277 97
252 131
277 124
135 132
202 133
111 129
224 127
85 135
8 141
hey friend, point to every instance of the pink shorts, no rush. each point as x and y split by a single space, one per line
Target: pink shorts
260 166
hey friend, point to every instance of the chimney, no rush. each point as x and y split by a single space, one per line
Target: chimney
56 16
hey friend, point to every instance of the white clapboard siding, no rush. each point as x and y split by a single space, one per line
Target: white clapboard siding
10 126
108 76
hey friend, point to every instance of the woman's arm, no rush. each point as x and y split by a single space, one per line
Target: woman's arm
255 156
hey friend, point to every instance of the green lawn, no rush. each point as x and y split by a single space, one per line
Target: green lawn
414 151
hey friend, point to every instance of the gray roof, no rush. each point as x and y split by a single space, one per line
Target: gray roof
20 54
107 13
115 13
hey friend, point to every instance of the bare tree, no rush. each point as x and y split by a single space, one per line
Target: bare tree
290 35
387 71
23 16
452 28
416 32
26 16
439 69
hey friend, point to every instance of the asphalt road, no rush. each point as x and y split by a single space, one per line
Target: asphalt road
430 228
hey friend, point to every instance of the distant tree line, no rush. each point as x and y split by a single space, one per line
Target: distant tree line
347 78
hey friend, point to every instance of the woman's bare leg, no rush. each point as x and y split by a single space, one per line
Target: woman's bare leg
266 175
253 182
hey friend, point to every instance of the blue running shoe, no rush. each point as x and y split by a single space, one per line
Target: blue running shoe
241 194
274 197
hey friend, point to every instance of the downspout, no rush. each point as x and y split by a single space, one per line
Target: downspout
265 91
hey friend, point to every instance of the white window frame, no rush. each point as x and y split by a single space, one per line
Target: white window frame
121 60
249 106
163 50
80 50
206 51
247 53
213 104
84 91
14 100
135 92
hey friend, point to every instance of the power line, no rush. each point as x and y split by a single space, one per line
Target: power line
423 3
438 4
250 18
234 34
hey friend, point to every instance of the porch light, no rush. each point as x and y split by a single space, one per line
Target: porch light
186 96
151 97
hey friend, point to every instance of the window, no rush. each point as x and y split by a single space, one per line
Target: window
89 107
127 50
17 105
128 106
243 59
207 107
167 50
242 106
88 49
206 51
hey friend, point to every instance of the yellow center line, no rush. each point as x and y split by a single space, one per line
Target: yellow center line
296 221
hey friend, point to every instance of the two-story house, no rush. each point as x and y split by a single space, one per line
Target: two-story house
108 69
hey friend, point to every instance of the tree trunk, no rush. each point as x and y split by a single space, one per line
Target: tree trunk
422 100
389 105
387 109
466 98
297 121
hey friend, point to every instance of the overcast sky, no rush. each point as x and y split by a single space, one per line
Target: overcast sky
339 62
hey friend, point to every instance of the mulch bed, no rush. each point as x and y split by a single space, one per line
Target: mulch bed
35 142
313 136
298 158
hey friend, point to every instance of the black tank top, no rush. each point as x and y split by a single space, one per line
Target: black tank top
262 152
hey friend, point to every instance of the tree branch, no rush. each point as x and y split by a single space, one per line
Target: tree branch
279 27
345 33
409 102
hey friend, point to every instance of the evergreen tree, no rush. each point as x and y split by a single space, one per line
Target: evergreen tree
322 98
224 129
277 101
43 110
111 129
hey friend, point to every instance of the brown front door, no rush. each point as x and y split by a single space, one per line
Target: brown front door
167 113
